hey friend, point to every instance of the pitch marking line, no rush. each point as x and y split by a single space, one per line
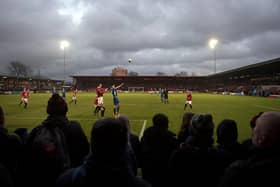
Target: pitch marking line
271 108
142 130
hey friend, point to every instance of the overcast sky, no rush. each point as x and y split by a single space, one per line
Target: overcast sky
167 36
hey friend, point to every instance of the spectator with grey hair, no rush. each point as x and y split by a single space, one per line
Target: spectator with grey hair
260 169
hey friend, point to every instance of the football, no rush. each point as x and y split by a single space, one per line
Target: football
129 60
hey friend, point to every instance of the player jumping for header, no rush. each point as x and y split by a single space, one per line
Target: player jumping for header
99 102
116 101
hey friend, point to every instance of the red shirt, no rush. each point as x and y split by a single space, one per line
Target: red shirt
25 94
100 91
189 97
75 93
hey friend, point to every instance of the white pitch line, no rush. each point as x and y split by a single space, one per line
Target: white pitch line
271 108
142 130
42 118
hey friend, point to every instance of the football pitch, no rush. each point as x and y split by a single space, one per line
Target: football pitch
140 107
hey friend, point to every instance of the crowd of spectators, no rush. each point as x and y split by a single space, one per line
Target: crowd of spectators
115 156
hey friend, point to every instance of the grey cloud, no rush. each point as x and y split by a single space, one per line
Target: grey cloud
160 35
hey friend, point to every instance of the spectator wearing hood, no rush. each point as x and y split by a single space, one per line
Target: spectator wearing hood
108 163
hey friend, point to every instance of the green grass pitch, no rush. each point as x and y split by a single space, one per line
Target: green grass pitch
140 107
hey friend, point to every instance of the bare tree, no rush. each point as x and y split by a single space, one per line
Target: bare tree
182 74
161 74
19 69
132 73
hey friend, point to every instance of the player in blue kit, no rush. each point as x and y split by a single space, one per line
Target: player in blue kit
116 101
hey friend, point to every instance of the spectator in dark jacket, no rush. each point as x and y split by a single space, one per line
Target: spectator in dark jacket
157 145
5 177
41 173
133 144
108 163
10 148
229 148
196 162
247 144
260 169
184 130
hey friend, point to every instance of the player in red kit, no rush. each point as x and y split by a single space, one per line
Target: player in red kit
99 101
24 97
188 100
74 96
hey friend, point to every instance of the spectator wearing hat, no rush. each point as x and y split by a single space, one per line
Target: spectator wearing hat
107 164
74 138
261 167
196 163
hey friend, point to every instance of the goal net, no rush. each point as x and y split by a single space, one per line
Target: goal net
135 89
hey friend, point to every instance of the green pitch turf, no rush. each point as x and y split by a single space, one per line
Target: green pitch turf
140 107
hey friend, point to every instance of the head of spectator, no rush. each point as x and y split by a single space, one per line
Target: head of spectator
57 106
254 119
187 117
227 133
160 121
266 134
201 130
22 133
124 120
108 140
184 129
2 118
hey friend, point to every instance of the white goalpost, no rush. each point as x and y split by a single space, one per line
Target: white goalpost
135 89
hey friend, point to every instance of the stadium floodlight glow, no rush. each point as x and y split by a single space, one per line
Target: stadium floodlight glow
63 45
212 44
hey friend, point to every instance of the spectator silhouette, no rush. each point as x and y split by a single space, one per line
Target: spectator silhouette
228 147
5 177
260 169
196 162
107 164
247 144
42 173
133 144
184 129
157 145
10 148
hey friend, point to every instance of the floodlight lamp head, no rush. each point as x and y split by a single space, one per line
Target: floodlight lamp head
212 43
64 44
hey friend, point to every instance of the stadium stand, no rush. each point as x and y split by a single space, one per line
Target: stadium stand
263 76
